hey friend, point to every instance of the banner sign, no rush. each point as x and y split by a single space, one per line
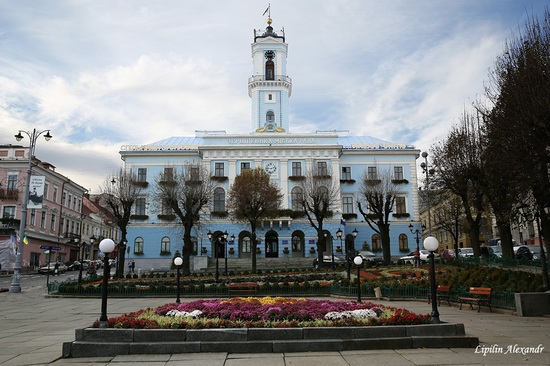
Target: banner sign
36 191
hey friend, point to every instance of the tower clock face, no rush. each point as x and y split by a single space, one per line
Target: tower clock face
269 55
271 168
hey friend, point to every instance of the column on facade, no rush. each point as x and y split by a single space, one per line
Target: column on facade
283 173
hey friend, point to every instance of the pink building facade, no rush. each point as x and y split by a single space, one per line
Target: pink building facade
57 223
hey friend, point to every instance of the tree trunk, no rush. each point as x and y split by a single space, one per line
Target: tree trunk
187 249
385 239
474 237
506 239
253 249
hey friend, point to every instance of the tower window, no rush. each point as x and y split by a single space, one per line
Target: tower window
270 96
269 70
270 117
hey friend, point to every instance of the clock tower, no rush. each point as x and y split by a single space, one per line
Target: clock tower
269 87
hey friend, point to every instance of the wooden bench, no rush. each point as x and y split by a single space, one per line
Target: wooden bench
442 293
479 296
242 288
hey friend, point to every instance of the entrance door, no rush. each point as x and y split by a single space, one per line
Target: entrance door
271 246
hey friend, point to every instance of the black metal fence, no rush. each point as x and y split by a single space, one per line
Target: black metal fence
503 300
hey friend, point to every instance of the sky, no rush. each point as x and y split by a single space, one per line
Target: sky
105 73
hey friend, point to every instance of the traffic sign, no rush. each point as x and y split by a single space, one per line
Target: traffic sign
50 247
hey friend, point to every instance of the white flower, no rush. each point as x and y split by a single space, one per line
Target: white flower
184 314
359 313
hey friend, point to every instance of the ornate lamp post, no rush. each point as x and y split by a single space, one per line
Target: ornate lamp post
428 172
339 234
33 136
530 215
106 246
178 261
358 261
418 234
431 244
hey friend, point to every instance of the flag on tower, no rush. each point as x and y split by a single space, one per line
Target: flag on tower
266 10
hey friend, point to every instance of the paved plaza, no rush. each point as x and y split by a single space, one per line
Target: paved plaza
34 326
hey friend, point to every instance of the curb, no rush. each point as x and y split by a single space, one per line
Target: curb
98 342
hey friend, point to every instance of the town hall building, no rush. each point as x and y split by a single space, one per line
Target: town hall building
287 157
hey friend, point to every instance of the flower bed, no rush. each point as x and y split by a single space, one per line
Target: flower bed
266 312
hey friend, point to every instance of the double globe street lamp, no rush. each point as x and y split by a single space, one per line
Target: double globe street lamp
417 234
220 240
33 136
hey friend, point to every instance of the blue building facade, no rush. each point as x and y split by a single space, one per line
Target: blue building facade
154 237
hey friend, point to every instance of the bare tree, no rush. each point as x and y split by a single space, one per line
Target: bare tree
184 193
449 215
378 193
519 88
320 195
459 169
118 195
253 197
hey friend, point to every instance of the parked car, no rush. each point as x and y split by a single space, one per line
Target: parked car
423 257
448 254
50 269
466 252
370 256
497 251
75 266
535 249
339 261
523 252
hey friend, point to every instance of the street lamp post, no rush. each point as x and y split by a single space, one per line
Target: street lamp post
225 251
83 246
106 246
178 261
216 249
431 244
417 237
350 253
424 166
33 136
524 209
358 261
325 234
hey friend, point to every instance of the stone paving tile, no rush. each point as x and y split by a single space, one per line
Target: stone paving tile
255 361
141 358
377 359
198 356
327 360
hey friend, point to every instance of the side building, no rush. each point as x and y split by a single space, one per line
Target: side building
55 222
154 236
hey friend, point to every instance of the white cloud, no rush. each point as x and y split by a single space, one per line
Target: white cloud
102 74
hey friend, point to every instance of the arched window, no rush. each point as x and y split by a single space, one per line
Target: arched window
376 242
165 245
296 198
219 199
403 243
269 70
138 245
270 117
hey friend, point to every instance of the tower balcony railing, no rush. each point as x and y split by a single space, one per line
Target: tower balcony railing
276 78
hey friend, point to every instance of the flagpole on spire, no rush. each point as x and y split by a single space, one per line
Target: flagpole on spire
268 11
